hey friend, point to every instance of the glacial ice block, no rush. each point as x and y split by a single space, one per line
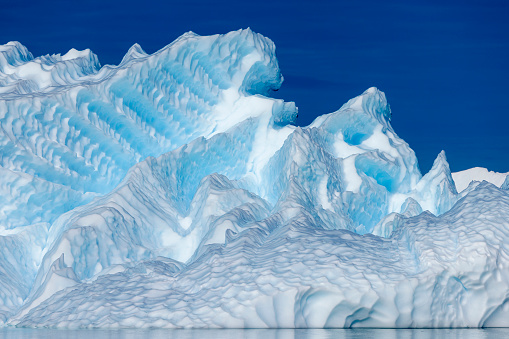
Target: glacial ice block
172 191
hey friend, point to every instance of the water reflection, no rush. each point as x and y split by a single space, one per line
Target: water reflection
256 333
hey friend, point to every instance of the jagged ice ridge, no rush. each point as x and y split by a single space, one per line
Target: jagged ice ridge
172 191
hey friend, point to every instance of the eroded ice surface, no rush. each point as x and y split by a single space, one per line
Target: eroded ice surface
172 191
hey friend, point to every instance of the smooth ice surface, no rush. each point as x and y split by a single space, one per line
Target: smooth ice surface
172 191
464 178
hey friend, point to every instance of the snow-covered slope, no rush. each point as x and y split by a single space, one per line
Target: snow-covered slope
463 178
171 191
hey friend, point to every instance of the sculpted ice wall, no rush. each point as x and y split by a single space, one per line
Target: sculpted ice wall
171 191
70 130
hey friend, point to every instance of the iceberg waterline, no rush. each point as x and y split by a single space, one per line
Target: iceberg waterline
172 191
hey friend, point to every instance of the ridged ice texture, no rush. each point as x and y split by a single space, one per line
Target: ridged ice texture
448 271
243 220
70 130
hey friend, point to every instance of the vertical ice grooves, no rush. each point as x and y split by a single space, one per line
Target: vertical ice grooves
139 109
14 54
117 126
83 128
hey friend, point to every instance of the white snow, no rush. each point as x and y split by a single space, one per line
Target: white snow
463 178
352 178
75 54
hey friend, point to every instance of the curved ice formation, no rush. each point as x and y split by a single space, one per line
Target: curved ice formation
170 191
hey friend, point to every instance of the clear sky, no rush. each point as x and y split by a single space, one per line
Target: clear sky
442 64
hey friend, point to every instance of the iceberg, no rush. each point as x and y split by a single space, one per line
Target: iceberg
173 191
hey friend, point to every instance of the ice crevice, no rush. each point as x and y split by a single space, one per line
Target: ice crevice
173 191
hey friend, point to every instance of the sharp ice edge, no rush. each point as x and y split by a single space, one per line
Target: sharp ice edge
170 191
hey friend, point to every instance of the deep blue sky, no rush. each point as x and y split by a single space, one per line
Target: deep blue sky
443 65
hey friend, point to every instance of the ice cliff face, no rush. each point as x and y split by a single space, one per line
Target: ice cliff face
71 131
172 191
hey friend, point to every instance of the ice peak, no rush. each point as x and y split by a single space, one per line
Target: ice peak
438 186
441 160
372 102
505 185
186 35
376 103
75 54
246 33
440 169
12 55
372 90
135 52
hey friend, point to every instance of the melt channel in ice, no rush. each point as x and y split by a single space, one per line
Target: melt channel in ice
172 191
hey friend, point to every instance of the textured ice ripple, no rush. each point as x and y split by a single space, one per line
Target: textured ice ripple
76 129
449 271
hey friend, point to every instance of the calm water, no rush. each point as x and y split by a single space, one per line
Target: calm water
258 334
